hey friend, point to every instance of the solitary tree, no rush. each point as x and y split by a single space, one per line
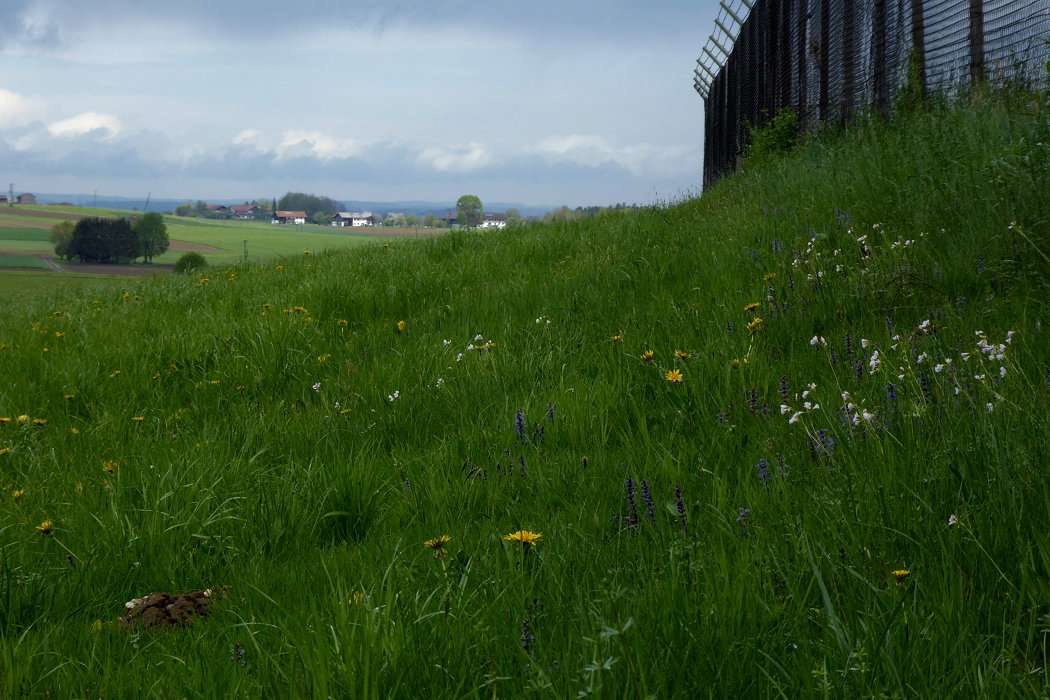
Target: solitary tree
468 211
153 235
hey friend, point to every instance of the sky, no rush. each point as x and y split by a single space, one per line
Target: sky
547 102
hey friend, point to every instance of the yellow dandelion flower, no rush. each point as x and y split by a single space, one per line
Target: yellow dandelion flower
674 376
682 354
4 451
279 268
438 545
45 528
267 306
618 338
301 309
109 466
755 323
345 411
18 495
647 356
342 323
59 334
4 419
321 359
74 431
69 397
114 374
40 421
401 326
215 382
23 419
138 419
57 314
901 575
524 537
769 277
751 307
306 252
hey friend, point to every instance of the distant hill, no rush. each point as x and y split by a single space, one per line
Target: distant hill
167 205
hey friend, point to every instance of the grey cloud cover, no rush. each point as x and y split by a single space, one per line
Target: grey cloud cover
548 102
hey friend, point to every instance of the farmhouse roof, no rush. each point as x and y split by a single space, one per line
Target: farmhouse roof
244 208
353 214
290 214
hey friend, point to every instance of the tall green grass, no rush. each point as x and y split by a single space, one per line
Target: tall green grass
271 428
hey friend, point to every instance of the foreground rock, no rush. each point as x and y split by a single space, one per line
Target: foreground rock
167 610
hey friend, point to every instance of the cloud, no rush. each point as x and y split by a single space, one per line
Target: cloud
297 143
86 123
639 159
18 110
461 159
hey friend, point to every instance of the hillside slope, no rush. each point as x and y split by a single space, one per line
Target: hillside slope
788 438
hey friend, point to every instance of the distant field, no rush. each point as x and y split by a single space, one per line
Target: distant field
22 261
25 234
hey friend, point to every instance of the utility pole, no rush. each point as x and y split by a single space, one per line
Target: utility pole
11 195
94 202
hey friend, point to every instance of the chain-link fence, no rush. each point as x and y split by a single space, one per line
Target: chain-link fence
829 59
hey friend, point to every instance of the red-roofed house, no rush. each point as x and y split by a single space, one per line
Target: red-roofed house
288 217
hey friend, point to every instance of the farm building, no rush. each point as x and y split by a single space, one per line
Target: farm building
288 217
353 218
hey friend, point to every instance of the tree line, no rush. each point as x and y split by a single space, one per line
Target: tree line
96 239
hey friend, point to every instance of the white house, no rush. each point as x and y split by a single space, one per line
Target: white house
494 221
353 218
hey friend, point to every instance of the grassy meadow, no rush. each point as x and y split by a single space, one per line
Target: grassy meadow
784 440
25 240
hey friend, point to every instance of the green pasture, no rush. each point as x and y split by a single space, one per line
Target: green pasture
22 261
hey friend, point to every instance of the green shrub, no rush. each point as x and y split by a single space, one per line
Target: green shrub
189 262
777 136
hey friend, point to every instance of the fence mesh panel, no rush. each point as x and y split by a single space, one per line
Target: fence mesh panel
831 59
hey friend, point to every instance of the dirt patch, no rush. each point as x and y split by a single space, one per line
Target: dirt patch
397 231
43 214
167 610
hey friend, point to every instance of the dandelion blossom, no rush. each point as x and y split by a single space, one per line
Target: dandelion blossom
524 537
647 356
401 326
754 325
45 528
674 376
18 495
901 575
438 545
682 355
751 307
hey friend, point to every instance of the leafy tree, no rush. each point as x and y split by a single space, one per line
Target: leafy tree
310 203
514 217
96 239
185 210
62 237
320 218
412 220
153 235
469 212
428 220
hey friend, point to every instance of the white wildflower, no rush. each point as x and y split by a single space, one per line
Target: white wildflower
394 397
794 419
952 520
